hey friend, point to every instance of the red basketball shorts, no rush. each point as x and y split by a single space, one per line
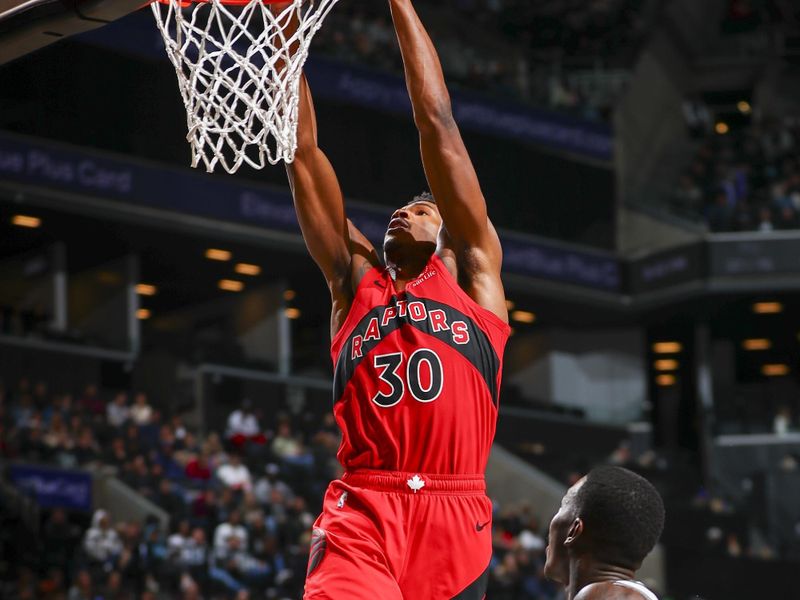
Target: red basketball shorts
395 536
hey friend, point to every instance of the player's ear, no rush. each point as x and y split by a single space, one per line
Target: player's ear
575 531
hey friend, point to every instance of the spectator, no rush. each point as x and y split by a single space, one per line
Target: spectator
216 453
82 589
102 543
86 450
130 563
178 428
141 413
236 568
60 539
178 540
114 589
198 469
783 421
137 475
205 510
186 448
230 528
56 435
117 412
91 403
234 474
168 499
243 426
133 441
289 448
193 556
52 586
117 456
720 213
32 447
265 485
153 553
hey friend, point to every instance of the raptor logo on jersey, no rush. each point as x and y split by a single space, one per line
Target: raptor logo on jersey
436 319
415 311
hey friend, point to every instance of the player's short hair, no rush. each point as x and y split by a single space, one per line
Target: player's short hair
623 515
424 197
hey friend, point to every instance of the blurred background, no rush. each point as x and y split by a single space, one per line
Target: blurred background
164 362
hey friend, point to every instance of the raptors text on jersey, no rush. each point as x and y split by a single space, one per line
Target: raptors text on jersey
417 376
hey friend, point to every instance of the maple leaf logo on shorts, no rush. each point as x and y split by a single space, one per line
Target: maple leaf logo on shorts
416 483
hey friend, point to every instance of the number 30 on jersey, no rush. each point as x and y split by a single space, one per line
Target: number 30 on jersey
400 372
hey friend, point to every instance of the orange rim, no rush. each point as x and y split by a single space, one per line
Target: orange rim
185 3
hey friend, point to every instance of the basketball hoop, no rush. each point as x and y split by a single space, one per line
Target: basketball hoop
239 65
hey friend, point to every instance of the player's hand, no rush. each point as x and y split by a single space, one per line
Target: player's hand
278 7
289 28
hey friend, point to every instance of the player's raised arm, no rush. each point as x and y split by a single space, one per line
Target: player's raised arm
341 251
447 165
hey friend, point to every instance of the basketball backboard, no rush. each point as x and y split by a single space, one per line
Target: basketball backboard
27 25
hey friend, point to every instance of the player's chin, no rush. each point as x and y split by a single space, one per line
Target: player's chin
551 570
396 237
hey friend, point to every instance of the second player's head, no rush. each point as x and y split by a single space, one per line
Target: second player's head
612 516
413 227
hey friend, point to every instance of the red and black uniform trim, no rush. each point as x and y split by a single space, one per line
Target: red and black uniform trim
478 351
319 543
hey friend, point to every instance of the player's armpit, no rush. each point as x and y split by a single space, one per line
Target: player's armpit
363 255
455 186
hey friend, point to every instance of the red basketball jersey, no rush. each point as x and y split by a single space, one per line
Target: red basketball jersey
417 376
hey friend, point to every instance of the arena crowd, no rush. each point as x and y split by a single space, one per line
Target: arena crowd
543 53
241 502
745 180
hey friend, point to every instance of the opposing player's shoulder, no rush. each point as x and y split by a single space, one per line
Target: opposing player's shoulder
615 590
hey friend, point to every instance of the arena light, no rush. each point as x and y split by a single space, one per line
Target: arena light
248 269
231 285
722 128
26 221
292 313
775 370
667 347
218 254
289 295
744 107
666 364
510 305
757 344
666 380
143 314
109 277
767 308
145 289
523 316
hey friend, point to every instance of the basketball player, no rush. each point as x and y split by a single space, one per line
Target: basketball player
607 524
417 348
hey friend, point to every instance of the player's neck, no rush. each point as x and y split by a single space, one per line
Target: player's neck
406 266
584 571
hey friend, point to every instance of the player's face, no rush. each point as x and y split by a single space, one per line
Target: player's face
415 222
556 566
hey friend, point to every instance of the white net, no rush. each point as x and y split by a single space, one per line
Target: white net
238 72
